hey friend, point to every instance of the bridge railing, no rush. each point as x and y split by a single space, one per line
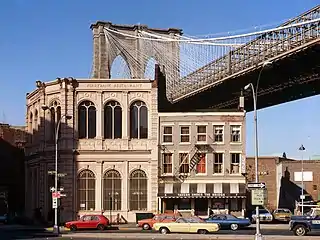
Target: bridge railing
266 46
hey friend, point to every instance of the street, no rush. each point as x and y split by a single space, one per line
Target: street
269 231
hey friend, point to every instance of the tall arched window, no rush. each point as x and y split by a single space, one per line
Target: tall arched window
138 190
86 190
112 190
55 112
138 120
112 120
30 127
87 120
36 116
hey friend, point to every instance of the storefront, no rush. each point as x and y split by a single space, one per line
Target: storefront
200 203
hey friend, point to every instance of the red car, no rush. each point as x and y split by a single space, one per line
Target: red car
88 222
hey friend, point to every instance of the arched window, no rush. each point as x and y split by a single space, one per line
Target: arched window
87 120
112 120
30 125
55 113
36 116
112 190
86 190
138 190
138 120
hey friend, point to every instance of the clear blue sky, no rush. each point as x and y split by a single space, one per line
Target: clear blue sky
42 40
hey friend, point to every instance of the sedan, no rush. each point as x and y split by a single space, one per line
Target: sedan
99 222
187 225
228 221
264 216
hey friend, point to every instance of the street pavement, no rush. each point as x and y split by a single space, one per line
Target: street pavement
129 232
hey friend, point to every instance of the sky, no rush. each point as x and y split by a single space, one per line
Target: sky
42 40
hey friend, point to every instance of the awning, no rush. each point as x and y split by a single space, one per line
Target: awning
202 195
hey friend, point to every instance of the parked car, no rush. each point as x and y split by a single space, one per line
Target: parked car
88 222
300 225
227 221
264 215
4 218
187 225
147 224
282 214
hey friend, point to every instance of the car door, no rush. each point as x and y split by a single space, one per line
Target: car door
180 226
84 222
217 219
315 222
93 223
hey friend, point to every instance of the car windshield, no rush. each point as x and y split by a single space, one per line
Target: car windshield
283 211
263 211
231 217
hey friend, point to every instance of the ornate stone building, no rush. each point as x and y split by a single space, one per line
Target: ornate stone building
108 150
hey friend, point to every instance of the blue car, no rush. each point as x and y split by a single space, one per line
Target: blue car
228 221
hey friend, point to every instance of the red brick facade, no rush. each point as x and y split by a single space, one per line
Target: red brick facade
274 170
16 136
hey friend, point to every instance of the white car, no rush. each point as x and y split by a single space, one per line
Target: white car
264 216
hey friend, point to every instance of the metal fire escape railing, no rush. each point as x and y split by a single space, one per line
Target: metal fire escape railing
267 46
192 158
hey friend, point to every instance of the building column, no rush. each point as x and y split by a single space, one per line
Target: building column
125 198
99 115
99 174
126 115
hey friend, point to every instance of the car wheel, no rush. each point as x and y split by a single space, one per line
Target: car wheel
300 230
234 226
100 227
145 226
202 231
73 228
164 230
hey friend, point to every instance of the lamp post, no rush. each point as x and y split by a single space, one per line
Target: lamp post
302 148
258 235
55 226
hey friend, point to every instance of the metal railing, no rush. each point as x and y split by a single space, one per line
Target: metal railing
265 47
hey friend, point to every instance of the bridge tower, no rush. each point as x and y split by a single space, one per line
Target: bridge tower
111 40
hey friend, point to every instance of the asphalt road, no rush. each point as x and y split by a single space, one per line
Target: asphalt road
270 232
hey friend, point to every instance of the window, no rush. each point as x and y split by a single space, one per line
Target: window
193 188
167 163
55 115
218 163
112 120
138 190
30 127
184 162
112 190
218 133
184 134
167 134
235 134
138 120
209 188
201 133
235 162
177 188
86 190
87 120
201 166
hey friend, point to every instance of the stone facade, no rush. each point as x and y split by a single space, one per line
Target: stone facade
217 180
94 154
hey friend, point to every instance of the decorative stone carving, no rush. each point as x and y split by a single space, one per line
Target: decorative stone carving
91 96
138 95
89 144
115 144
139 144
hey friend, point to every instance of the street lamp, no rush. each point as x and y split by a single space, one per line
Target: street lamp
302 148
258 235
68 117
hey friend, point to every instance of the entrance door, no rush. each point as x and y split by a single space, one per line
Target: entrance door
201 206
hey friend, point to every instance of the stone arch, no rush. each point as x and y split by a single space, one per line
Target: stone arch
120 68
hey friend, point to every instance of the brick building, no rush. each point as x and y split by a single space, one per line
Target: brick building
283 180
12 141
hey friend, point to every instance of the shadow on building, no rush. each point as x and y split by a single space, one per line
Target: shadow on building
12 141
290 193
40 164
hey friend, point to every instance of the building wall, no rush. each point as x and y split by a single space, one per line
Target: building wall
94 154
223 182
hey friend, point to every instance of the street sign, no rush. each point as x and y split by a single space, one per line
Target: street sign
259 197
256 185
56 195
62 174
63 195
52 189
54 202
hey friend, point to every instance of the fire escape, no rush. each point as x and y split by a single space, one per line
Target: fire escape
186 166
